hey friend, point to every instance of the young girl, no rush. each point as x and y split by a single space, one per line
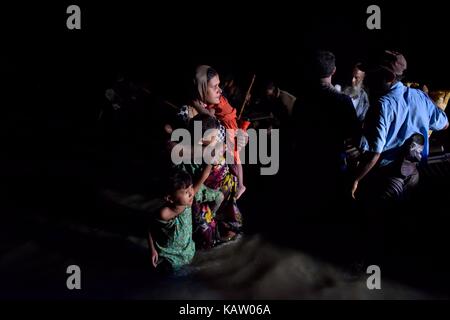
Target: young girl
170 235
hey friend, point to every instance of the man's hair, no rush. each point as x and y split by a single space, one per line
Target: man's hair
358 66
176 180
323 64
391 62
399 78
227 78
386 75
270 85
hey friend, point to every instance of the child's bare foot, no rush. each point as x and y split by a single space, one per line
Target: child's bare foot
240 191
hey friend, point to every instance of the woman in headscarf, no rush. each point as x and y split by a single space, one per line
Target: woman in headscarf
208 99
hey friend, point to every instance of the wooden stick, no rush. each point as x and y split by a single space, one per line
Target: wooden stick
246 97
170 104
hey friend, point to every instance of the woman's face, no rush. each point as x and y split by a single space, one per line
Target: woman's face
213 92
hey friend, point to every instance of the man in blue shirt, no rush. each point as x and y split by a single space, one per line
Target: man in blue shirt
397 126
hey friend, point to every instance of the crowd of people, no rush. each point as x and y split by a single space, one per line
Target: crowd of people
363 143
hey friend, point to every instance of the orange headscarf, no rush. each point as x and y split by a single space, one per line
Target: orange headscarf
225 113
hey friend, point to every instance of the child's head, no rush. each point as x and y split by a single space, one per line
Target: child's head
178 189
209 125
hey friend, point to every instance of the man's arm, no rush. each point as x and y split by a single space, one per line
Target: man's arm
368 161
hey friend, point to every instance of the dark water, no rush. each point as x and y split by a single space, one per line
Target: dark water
279 257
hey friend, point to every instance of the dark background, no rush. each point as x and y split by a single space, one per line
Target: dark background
166 38
53 79
61 74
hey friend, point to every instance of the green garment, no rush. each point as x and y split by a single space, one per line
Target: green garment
204 194
173 239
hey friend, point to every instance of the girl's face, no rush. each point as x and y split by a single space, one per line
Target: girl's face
213 91
183 197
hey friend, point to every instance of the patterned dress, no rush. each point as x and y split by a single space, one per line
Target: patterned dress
204 222
183 114
212 228
173 239
228 217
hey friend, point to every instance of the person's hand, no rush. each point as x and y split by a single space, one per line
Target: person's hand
219 151
352 152
242 138
154 258
201 108
354 188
